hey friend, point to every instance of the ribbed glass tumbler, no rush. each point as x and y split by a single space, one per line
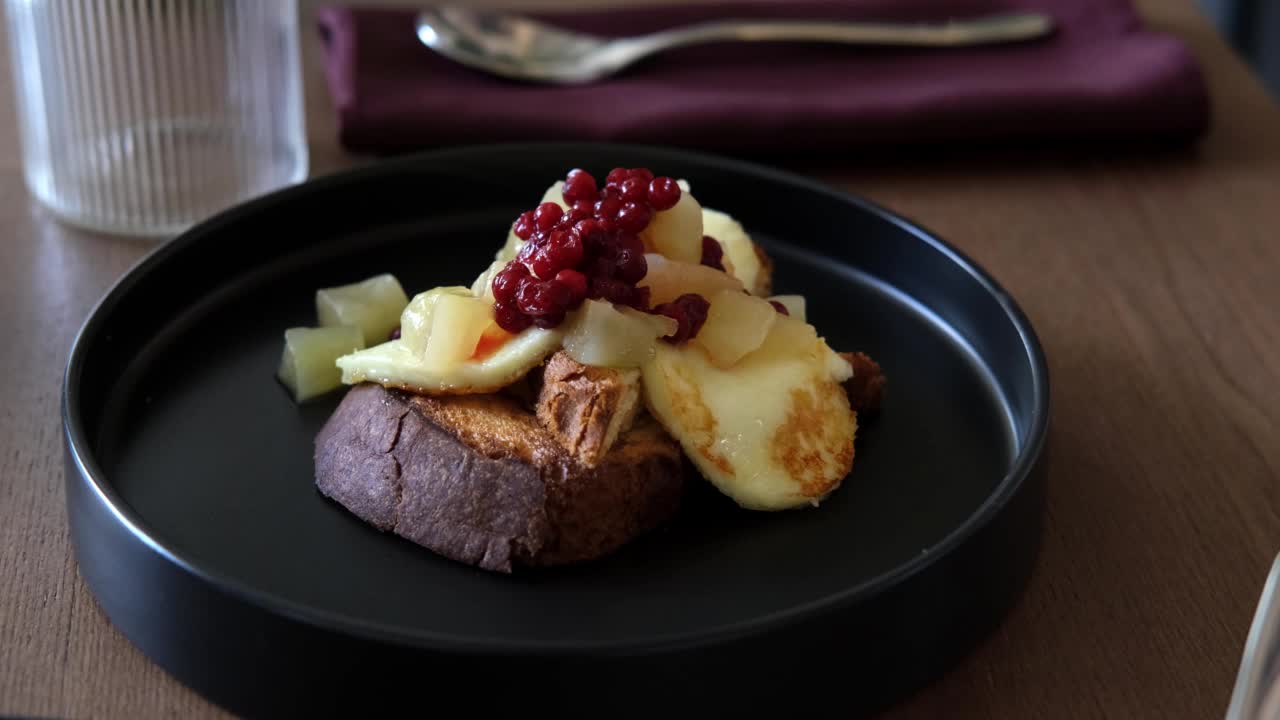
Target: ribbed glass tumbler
143 117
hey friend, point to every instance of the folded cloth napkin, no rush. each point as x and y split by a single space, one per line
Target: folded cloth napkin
1101 74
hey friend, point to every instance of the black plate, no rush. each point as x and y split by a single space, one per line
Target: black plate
196 524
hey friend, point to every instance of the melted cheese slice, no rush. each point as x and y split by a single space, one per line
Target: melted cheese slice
773 431
395 364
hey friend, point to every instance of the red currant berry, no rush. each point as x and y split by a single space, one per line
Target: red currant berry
712 253
580 211
607 208
542 265
601 266
605 288
634 217
633 191
547 215
524 226
509 317
508 281
563 250
631 268
689 311
586 228
696 308
629 242
616 176
664 193
579 186
558 297
575 281
643 175
528 250
527 298
640 298
538 299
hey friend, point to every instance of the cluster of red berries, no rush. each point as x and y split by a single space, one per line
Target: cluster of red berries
592 250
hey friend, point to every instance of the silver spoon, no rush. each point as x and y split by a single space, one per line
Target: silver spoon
525 49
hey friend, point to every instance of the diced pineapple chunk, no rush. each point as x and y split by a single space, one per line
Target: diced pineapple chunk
737 323
602 335
308 364
373 305
456 326
676 233
669 279
794 305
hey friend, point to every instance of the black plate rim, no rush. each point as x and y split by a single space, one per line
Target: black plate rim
79 447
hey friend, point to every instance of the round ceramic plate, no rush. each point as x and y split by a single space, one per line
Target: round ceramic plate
197 525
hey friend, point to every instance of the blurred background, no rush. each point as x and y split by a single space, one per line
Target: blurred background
1253 28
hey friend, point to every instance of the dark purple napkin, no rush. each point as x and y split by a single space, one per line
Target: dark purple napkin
1102 74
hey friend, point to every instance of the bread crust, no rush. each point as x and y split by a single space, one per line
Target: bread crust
587 408
477 479
867 387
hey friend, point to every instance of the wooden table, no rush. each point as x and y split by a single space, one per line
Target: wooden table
1152 281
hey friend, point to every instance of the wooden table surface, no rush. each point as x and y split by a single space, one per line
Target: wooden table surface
1153 282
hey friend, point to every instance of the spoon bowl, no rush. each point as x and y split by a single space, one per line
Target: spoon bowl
522 48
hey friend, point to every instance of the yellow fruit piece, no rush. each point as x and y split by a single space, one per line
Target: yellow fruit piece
669 279
676 233
600 334
307 365
737 323
415 321
373 305
456 326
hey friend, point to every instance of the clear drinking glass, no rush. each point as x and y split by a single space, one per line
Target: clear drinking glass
144 116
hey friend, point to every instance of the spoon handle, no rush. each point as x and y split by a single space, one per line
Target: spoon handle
975 31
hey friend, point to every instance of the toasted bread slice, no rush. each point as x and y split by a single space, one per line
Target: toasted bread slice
586 408
478 479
